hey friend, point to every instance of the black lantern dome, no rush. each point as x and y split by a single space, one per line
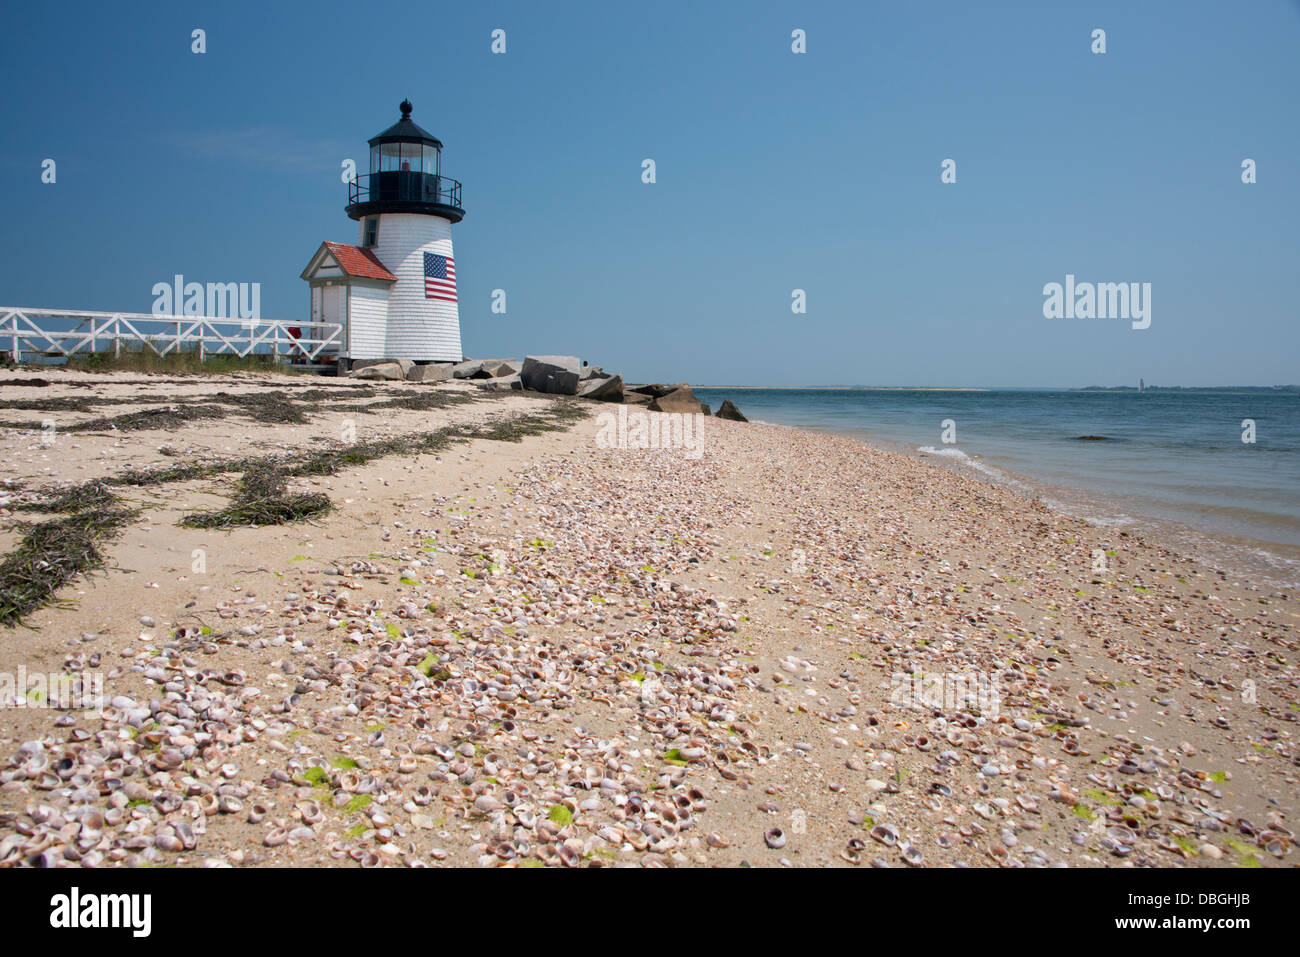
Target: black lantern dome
405 175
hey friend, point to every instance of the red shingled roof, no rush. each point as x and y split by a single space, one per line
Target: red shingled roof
359 262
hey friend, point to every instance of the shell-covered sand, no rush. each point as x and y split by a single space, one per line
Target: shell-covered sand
791 649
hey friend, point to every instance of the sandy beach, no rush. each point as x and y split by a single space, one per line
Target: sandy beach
525 649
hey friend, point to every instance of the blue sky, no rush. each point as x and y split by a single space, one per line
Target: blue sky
775 171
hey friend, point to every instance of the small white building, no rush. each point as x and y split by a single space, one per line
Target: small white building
395 291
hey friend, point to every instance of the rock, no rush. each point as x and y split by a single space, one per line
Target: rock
636 398
503 383
405 364
656 389
681 399
608 389
728 410
556 375
379 370
430 372
592 372
482 368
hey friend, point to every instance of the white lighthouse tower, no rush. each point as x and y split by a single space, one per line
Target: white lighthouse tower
395 291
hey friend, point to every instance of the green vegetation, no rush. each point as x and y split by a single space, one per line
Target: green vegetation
182 361
263 499
53 553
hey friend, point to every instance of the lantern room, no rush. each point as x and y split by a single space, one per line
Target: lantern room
405 175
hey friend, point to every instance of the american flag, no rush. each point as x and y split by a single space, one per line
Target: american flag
439 277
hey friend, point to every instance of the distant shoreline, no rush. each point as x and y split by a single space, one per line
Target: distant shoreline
846 388
945 388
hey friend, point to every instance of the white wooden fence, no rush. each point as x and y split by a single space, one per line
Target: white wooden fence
33 331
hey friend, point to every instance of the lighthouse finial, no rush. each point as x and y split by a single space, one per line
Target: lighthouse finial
406 108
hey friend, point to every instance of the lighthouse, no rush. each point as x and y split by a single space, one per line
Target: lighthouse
394 292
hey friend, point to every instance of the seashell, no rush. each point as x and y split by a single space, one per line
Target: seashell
275 837
774 838
885 834
911 855
569 855
186 834
44 813
1275 843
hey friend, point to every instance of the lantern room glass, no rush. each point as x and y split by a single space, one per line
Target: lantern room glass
413 157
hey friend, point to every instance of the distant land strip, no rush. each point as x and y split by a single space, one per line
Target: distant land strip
849 388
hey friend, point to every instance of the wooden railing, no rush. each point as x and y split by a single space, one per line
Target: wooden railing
34 332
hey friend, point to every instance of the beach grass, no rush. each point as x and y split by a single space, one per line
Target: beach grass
184 361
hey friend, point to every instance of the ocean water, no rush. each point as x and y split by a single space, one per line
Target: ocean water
1173 463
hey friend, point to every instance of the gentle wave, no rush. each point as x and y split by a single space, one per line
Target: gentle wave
958 455
1176 461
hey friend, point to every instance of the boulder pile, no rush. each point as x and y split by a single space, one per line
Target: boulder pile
552 375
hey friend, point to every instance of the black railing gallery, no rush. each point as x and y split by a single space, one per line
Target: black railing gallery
404 186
